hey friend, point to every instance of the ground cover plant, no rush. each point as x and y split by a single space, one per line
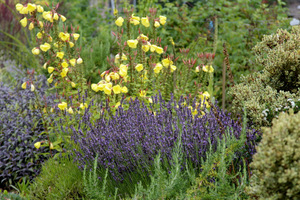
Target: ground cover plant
133 114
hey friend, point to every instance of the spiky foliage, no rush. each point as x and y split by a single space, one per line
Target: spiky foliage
276 166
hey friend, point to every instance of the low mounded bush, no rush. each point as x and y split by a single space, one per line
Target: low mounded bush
130 139
276 166
20 128
264 94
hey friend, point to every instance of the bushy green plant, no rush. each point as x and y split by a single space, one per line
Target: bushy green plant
60 179
8 195
276 166
265 93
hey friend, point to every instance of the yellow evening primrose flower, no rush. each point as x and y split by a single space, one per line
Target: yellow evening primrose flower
76 36
55 16
123 67
167 62
115 76
123 73
41 24
83 106
19 6
124 89
62 105
50 70
31 7
153 47
24 10
24 85
173 68
64 72
117 104
208 68
150 100
64 64
139 67
107 78
45 47
47 15
145 21
134 20
39 8
73 62
117 89
32 88
119 21
31 26
117 57
143 93
37 145
197 69
95 87
70 110
159 50
63 18
162 20
50 80
35 51
79 61
39 35
145 48
156 24
132 43
107 90
60 54
51 145
143 37
71 44
157 68
205 95
64 36
23 22
45 66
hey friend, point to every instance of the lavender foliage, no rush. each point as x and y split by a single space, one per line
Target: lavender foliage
20 128
131 139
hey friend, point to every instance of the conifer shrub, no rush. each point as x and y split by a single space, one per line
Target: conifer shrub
266 93
276 166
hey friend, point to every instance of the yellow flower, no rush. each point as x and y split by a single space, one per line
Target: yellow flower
23 22
132 43
76 36
31 7
51 145
31 26
143 93
73 62
63 18
45 47
156 24
79 61
123 67
117 104
95 87
62 105
47 15
197 69
64 72
70 110
32 88
50 70
134 20
173 68
119 21
107 90
157 68
205 95
40 9
150 100
117 57
123 73
39 35
83 106
50 80
41 24
159 50
64 64
107 78
55 16
24 85
143 37
60 54
153 47
124 89
117 89
139 67
45 66
162 20
37 145
145 48
167 62
145 21
208 68
71 44
35 51
64 36
24 10
19 6
114 75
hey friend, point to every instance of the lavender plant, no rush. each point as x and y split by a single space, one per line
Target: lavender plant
128 141
20 129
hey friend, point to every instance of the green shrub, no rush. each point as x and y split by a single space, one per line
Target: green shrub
60 179
10 196
276 166
275 87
